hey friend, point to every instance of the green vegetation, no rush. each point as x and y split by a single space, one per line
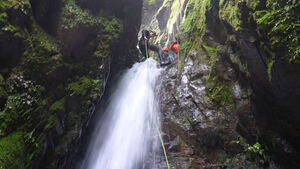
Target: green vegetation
97 85
281 19
230 12
270 65
220 92
107 36
255 148
12 113
37 86
194 25
15 4
152 2
80 87
12 151
19 107
51 123
3 15
194 29
74 16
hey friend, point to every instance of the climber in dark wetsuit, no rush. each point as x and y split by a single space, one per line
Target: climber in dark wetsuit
146 35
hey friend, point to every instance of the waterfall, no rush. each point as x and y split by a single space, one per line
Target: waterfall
126 137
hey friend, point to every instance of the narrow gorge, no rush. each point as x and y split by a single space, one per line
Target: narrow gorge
76 92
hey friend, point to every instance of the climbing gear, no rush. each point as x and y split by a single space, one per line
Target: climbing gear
153 119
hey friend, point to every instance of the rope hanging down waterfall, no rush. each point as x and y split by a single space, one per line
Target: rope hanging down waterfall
154 119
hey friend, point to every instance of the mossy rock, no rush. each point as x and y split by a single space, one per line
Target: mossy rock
12 151
220 92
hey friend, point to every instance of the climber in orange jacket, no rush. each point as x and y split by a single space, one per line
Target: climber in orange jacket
174 46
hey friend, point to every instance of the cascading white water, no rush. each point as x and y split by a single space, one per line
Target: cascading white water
126 137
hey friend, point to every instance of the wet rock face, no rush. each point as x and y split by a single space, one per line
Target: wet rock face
46 13
197 132
272 94
274 101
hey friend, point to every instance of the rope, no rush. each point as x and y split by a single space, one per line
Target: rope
146 47
154 119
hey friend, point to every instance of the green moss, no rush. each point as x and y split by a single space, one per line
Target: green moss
3 16
43 60
12 151
80 87
12 113
194 24
211 49
270 65
212 52
15 4
43 55
108 35
243 67
220 92
230 12
281 22
58 105
152 2
194 28
74 16
112 29
45 41
252 4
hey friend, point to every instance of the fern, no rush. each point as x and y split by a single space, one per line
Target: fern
281 19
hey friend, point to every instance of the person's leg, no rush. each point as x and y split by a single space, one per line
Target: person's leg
142 49
158 50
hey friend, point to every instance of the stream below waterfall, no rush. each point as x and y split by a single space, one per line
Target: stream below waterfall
126 137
